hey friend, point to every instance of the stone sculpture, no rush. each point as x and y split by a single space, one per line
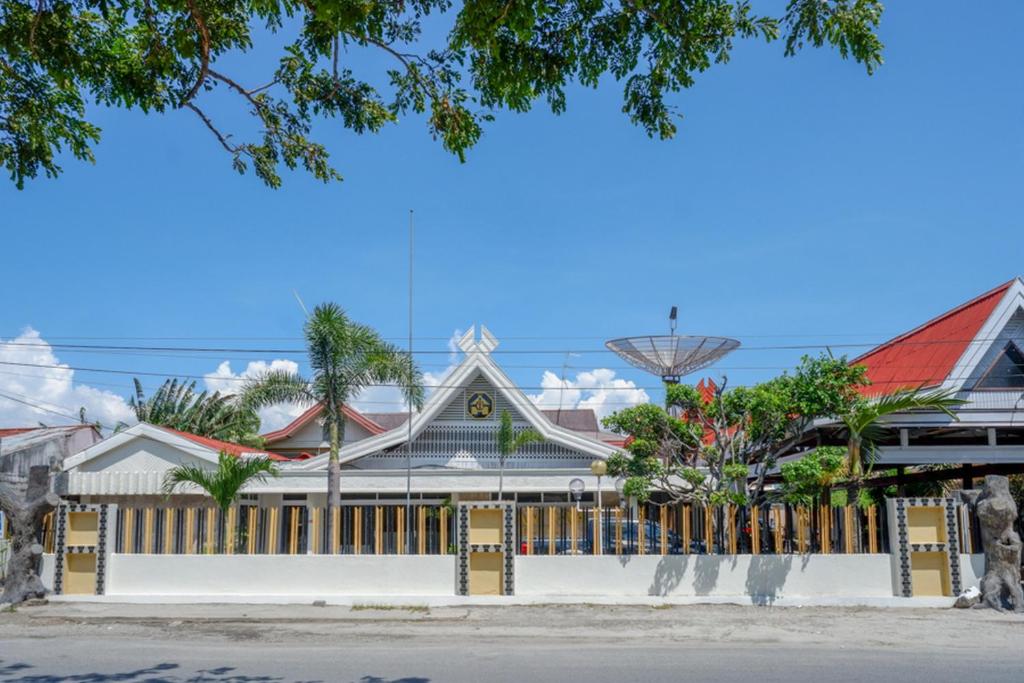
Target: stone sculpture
22 581
997 512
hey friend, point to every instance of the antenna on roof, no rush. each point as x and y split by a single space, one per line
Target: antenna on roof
301 305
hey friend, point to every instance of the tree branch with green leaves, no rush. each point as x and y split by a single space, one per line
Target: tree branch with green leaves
59 57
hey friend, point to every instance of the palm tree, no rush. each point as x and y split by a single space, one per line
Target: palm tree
224 483
345 357
177 405
509 442
864 429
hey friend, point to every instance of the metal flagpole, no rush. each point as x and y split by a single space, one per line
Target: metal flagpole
408 421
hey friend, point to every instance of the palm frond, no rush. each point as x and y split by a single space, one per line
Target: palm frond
872 410
276 386
224 483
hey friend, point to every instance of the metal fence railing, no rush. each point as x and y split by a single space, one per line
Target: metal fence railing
561 529
284 530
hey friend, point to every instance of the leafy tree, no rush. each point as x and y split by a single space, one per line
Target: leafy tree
224 483
59 56
219 416
509 442
722 446
806 479
345 357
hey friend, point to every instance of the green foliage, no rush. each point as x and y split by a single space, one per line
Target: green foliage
804 480
345 357
177 405
509 442
862 419
59 56
721 446
224 483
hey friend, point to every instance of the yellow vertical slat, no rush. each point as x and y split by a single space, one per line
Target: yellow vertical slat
618 531
597 532
147 531
780 522
252 534
211 530
687 531
755 530
733 535
128 542
293 531
551 530
529 530
314 531
848 520
357 530
825 529
641 530
421 530
378 530
336 531
400 528
444 530
189 530
709 530
273 515
230 525
572 530
169 524
663 529
872 529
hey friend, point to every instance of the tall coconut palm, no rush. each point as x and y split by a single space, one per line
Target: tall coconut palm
224 483
509 442
177 404
863 427
345 358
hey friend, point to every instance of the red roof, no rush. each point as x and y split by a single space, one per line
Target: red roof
925 356
311 414
12 431
234 449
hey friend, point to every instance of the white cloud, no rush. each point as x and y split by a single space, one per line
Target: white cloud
596 389
226 381
52 388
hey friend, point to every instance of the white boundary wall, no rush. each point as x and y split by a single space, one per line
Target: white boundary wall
762 578
268 575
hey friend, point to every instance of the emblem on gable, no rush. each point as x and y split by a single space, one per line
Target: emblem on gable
479 405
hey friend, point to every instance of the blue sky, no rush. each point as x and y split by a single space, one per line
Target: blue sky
802 203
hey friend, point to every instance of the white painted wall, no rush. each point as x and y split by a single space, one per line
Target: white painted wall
763 577
306 575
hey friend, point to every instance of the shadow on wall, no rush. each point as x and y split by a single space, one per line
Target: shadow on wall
672 569
766 576
15 672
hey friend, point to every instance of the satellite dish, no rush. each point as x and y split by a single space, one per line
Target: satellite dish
672 356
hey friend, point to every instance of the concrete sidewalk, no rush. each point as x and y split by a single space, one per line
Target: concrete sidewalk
511 600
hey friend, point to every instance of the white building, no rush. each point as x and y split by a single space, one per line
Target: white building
448 451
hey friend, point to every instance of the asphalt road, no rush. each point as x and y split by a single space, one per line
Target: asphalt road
99 660
302 644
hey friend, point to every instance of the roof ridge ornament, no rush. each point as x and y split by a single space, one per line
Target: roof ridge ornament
470 344
467 342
